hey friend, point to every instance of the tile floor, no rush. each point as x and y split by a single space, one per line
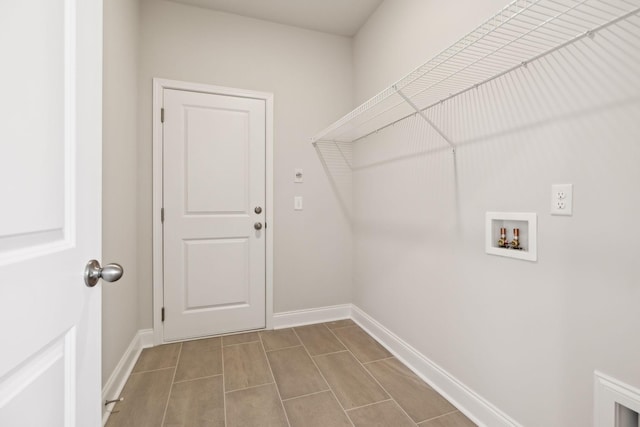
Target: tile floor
325 375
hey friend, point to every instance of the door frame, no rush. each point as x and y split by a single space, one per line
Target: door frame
159 85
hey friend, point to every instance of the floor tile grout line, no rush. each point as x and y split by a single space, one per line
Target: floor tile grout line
250 387
390 395
374 378
241 343
307 394
439 416
197 379
224 387
166 405
284 411
153 370
333 393
328 354
283 348
365 332
378 360
390 399
362 365
321 354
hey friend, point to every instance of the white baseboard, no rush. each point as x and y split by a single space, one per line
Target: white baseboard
466 400
146 338
114 385
289 319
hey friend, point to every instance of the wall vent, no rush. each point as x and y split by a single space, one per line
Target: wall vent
616 404
626 417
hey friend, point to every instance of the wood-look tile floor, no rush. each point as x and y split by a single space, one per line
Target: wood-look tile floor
325 375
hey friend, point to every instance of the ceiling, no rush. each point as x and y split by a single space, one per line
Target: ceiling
341 17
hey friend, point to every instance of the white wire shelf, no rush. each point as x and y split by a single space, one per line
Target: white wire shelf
523 31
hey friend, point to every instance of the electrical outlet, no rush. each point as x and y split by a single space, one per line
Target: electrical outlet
562 199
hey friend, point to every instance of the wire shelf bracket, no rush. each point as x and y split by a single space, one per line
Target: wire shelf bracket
426 119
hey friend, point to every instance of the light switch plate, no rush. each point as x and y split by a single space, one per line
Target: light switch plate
562 199
297 203
298 175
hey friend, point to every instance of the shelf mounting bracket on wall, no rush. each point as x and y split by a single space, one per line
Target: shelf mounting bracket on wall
426 119
343 156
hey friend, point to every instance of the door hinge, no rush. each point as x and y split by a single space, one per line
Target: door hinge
162 115
162 314
161 214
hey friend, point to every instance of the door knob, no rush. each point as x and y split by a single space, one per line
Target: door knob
258 210
109 273
257 226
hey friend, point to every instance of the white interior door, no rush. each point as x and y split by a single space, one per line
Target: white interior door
50 178
214 210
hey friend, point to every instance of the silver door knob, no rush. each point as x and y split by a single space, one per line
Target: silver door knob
257 226
258 210
109 273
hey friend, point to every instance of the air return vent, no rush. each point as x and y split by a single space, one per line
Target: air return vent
616 404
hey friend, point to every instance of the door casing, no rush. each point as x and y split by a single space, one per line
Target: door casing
159 85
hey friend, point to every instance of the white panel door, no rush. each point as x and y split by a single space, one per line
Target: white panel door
214 210
50 225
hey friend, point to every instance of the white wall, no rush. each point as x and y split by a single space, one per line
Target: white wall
120 299
525 336
402 34
310 74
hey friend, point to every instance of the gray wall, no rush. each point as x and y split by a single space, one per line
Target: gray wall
526 336
310 74
120 86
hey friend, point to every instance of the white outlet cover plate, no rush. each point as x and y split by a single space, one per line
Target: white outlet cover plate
297 203
562 199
